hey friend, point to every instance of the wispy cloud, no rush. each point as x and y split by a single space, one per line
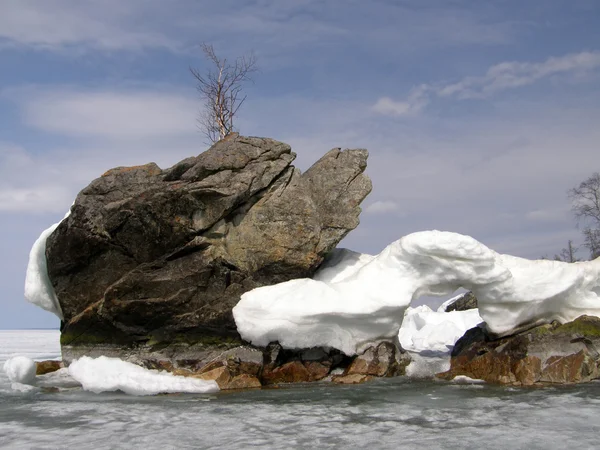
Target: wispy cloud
273 27
382 207
514 74
500 77
107 114
61 24
415 103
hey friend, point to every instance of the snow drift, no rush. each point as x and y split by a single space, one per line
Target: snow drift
368 302
105 374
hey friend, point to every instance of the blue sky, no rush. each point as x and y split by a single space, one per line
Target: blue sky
478 116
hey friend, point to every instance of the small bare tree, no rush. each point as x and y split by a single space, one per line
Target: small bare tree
585 200
568 254
221 90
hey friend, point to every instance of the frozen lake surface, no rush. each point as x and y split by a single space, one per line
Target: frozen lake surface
394 413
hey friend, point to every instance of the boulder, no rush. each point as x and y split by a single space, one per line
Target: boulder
383 360
151 259
551 353
464 303
49 366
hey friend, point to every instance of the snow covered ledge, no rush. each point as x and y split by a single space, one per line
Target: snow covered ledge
38 288
367 302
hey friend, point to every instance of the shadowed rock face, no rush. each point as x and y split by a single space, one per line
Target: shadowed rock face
464 303
151 255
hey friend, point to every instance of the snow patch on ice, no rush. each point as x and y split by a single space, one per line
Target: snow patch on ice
463 379
365 301
105 374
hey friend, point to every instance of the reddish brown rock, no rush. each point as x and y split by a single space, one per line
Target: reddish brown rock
221 375
555 353
44 367
317 370
243 381
291 372
385 360
355 378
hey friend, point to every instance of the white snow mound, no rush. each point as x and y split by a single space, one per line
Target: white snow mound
340 264
367 304
429 336
105 374
20 369
427 331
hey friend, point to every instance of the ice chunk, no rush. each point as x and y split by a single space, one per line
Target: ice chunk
367 304
20 369
463 379
38 289
424 330
429 337
105 374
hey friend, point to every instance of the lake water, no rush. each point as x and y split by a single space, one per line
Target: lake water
394 413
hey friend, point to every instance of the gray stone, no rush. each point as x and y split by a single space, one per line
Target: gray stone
467 301
150 259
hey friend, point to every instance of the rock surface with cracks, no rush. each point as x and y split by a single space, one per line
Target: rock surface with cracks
150 259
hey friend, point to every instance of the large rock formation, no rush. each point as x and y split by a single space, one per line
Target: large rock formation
151 258
550 353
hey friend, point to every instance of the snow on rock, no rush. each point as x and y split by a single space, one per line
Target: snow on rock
539 292
340 264
38 289
424 330
105 374
20 369
368 304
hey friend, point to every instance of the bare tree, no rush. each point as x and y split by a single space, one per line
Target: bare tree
568 254
221 90
592 241
585 200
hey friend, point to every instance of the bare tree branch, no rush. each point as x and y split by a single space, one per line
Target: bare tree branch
221 88
585 204
568 254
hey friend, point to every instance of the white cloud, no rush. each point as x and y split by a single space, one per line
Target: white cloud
40 199
382 207
109 114
60 24
500 77
275 28
513 74
415 103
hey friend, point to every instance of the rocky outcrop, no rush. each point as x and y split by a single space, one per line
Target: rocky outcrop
152 259
383 360
552 353
464 303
